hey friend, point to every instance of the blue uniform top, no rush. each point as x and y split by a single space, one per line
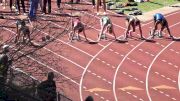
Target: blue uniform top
158 16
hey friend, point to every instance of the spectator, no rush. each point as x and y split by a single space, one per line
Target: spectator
18 6
58 3
5 63
104 6
45 2
11 4
89 98
46 90
77 1
41 5
93 3
4 3
33 9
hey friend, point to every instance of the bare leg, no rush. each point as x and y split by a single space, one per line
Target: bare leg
104 3
77 35
29 38
18 34
113 32
127 31
72 35
4 3
98 2
170 35
154 29
17 37
100 34
85 35
140 30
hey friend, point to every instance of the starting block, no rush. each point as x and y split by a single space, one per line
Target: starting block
121 40
93 42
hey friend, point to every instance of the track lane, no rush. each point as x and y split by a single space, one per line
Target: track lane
134 55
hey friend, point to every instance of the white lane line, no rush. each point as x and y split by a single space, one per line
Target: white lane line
118 67
179 81
47 66
176 66
165 77
148 53
83 74
18 69
150 66
163 60
171 64
139 64
130 76
174 51
111 50
134 96
64 58
165 94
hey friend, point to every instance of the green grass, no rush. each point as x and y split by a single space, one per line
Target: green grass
155 4
149 6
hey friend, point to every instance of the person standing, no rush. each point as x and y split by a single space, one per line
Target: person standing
99 3
4 3
5 63
77 1
58 3
18 6
93 3
46 2
11 4
41 5
46 90
33 9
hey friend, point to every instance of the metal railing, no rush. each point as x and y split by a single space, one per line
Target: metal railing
16 87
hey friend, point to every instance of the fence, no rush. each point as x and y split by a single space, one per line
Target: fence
22 87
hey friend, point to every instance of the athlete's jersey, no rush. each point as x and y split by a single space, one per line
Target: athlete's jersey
105 20
133 19
158 16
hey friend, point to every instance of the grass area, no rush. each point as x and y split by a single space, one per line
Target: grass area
149 6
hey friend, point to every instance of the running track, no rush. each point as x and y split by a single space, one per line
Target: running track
111 71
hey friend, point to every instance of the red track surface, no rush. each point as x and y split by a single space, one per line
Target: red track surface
112 66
